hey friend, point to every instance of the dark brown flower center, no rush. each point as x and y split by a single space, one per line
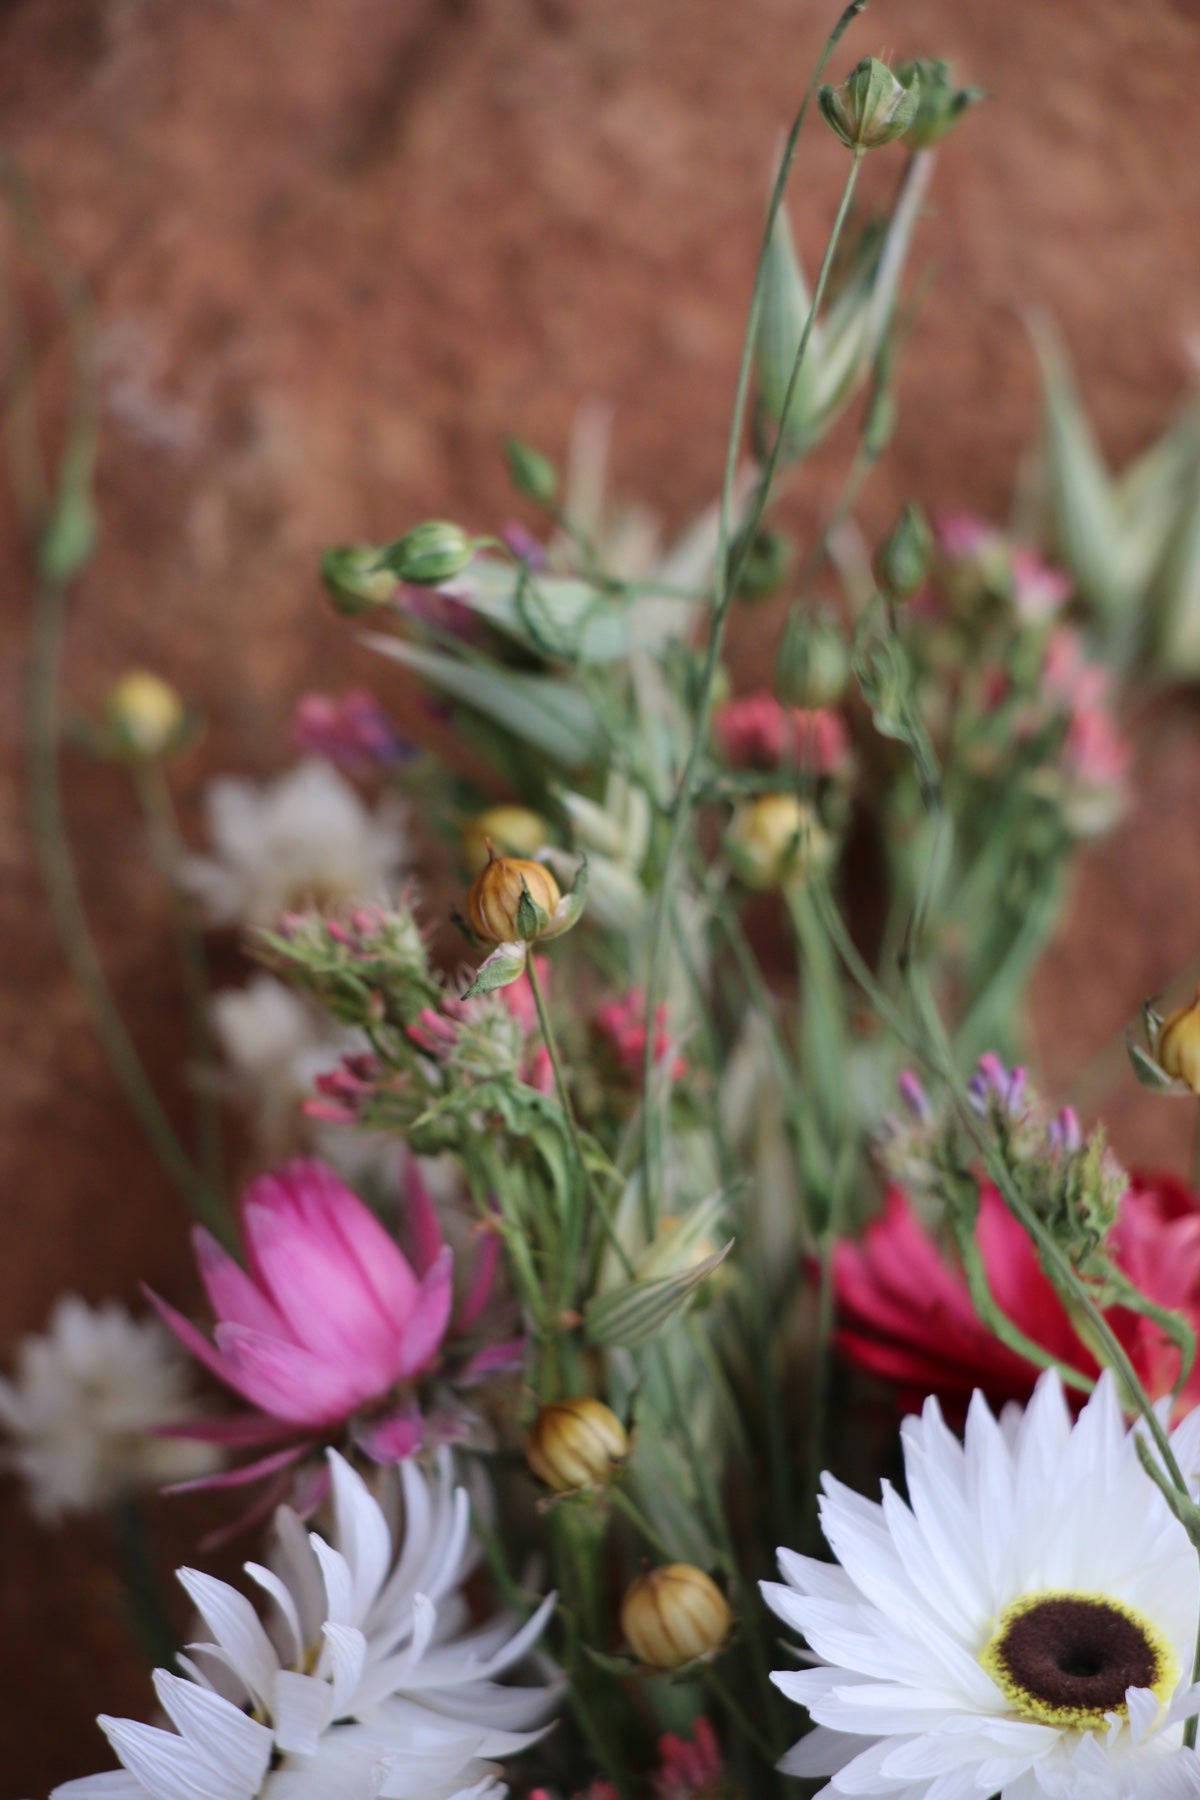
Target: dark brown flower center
1068 1659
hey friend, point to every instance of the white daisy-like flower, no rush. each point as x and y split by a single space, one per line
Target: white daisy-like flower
365 1681
304 839
83 1405
1024 1626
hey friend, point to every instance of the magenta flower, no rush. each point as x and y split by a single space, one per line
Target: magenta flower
758 732
352 732
330 1330
623 1026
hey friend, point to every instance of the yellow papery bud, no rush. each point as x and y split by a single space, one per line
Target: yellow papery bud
513 830
674 1616
1178 1048
505 887
576 1444
145 714
775 837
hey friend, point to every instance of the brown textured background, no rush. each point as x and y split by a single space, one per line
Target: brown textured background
338 250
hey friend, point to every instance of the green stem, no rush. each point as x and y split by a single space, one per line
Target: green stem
727 577
159 810
739 1716
62 887
564 1100
637 1517
148 1615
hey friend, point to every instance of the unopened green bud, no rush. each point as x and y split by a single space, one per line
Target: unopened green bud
940 105
873 106
903 558
356 578
429 553
814 664
533 474
764 561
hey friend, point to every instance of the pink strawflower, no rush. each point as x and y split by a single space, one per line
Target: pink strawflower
906 1314
331 1331
759 732
622 1025
694 1771
353 732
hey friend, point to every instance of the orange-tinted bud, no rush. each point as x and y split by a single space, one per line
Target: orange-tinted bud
674 1615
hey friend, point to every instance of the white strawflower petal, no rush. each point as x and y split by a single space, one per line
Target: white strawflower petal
338 1715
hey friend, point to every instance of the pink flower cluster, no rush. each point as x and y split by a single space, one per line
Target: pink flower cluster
905 1312
1094 754
353 732
1039 590
686 1770
758 732
330 1330
438 1029
623 1026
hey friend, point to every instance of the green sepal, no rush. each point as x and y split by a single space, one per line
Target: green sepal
1148 1071
505 965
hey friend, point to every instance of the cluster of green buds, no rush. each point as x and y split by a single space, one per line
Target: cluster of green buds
511 904
144 721
360 577
369 970
1070 1178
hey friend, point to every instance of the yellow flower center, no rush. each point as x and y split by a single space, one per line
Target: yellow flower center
1066 1659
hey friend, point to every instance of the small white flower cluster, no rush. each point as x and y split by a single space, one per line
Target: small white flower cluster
83 1407
305 839
366 1682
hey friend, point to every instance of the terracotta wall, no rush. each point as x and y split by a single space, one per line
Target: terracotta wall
338 250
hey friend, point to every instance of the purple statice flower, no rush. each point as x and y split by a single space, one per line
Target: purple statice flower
351 731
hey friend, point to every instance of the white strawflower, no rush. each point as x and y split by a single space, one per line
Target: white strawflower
1024 1626
304 839
83 1405
365 1682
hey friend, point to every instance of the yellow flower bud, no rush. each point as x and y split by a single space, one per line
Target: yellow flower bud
514 830
775 837
1178 1048
576 1444
145 714
674 1615
497 896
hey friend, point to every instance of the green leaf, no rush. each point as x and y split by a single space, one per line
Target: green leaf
505 965
552 716
634 1314
1148 1071
1085 524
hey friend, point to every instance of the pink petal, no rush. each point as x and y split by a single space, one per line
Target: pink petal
482 1281
497 1359
243 1429
232 1294
318 1285
394 1438
287 1380
422 1228
193 1340
260 1508
426 1325
243 1476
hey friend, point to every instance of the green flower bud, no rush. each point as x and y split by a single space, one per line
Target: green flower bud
873 106
764 564
814 663
533 474
940 105
903 558
145 717
429 553
356 579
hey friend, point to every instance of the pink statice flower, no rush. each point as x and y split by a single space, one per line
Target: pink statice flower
758 732
330 1332
501 1027
622 1025
1096 761
1039 591
690 1771
351 731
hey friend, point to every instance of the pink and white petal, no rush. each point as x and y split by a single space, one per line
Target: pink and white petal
231 1292
483 1279
243 1430
496 1359
287 1380
193 1340
393 1439
421 1226
426 1326
242 1476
